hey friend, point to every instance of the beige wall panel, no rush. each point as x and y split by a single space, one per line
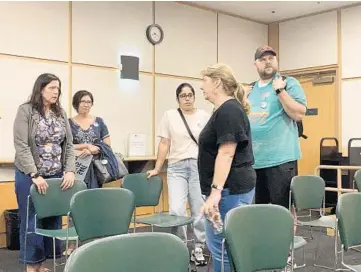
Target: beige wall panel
238 40
35 29
351 41
309 41
190 39
351 110
102 31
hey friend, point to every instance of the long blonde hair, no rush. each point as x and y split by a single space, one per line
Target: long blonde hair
230 84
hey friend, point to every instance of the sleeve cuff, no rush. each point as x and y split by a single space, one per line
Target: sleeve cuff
232 137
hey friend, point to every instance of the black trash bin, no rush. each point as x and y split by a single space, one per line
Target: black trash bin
12 223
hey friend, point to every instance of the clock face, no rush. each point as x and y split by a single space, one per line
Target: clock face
155 34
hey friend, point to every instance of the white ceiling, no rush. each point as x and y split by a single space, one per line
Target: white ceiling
262 10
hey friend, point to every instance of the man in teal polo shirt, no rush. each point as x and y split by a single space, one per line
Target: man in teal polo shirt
276 105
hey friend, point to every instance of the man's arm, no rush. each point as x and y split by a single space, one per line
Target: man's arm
293 109
288 98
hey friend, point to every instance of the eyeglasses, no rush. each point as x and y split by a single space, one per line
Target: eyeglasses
184 96
86 102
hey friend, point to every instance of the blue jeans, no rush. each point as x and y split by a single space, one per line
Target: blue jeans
38 248
214 241
183 185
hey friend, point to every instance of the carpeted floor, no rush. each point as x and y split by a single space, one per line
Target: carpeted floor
9 263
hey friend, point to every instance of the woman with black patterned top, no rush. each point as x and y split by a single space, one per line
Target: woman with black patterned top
87 131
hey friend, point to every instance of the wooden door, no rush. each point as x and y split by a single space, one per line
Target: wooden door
320 97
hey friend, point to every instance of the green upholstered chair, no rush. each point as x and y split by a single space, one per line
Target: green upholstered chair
308 193
102 212
147 194
150 252
55 202
348 213
259 237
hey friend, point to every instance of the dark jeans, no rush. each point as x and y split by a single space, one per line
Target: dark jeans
273 184
38 248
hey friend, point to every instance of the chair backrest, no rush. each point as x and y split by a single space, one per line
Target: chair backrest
151 252
259 236
308 192
146 191
102 212
348 212
357 179
55 202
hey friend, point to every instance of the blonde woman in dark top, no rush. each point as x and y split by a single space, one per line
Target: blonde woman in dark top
225 160
44 149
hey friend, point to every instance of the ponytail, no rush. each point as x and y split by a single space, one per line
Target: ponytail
240 96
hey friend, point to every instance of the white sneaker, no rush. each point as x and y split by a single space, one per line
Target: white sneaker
289 263
197 257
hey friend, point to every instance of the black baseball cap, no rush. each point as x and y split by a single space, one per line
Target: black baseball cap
264 49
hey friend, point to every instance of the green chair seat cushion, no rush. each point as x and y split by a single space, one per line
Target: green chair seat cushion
323 222
164 220
299 242
58 233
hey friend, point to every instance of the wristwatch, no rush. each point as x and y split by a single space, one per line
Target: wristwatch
217 187
35 176
278 91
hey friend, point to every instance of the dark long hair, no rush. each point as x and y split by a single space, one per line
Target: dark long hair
36 98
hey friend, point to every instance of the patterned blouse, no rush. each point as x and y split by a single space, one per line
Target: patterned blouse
97 132
48 139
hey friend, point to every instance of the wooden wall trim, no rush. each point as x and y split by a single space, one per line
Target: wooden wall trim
217 37
153 90
351 78
338 114
274 38
70 59
13 56
310 70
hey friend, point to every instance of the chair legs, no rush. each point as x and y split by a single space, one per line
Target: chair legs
25 242
54 255
222 260
303 259
335 252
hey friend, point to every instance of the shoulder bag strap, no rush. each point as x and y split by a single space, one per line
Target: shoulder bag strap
187 127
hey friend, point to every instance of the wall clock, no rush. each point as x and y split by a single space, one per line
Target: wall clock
155 34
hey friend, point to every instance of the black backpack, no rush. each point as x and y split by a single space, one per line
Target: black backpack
299 123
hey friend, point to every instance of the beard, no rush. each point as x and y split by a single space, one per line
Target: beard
266 74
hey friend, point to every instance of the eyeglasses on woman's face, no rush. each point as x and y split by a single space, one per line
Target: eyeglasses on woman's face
86 102
184 96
